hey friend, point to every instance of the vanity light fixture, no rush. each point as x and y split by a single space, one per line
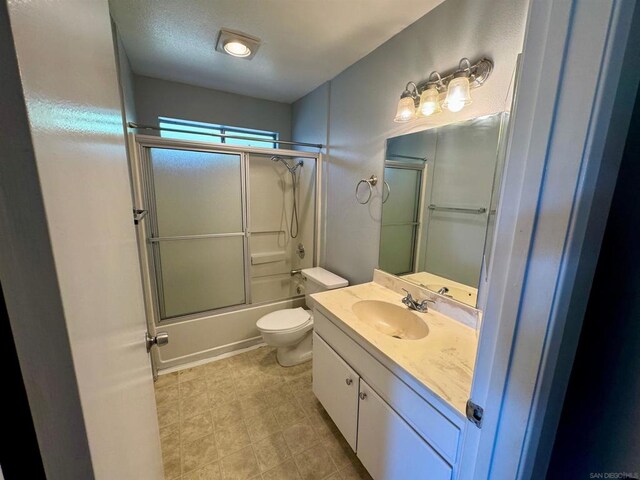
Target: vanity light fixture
237 44
424 99
407 104
430 98
458 94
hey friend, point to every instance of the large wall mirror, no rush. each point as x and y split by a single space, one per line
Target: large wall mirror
440 196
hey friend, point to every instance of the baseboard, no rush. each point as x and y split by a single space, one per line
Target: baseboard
211 355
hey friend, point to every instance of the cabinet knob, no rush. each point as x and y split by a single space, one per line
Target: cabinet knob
348 381
363 395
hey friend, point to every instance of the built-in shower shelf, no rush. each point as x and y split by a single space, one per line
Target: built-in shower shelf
267 257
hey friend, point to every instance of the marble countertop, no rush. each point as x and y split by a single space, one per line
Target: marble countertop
443 361
458 291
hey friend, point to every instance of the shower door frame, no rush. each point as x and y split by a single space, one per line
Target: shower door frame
140 144
419 210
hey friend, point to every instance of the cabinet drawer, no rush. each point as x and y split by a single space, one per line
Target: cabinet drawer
423 417
336 385
389 448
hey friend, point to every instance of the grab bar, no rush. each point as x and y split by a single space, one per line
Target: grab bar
266 232
195 237
475 211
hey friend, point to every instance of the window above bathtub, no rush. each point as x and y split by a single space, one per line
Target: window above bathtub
199 131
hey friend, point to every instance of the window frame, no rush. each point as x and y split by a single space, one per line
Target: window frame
270 138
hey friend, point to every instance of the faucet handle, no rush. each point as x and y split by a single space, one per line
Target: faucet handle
408 300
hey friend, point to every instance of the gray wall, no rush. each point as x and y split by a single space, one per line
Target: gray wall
310 116
362 104
125 76
310 124
162 98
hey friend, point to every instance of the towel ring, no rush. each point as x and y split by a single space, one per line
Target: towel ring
371 181
384 199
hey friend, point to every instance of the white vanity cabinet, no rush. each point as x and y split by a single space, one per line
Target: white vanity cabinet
389 448
335 384
395 432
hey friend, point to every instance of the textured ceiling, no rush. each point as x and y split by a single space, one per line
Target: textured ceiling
304 42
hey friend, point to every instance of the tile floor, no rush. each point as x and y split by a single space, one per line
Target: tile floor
246 417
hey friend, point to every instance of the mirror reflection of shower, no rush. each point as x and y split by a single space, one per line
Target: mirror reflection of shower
293 224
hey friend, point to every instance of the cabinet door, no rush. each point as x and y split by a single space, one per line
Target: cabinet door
389 448
336 386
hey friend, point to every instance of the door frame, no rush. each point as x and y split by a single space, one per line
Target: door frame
417 223
562 163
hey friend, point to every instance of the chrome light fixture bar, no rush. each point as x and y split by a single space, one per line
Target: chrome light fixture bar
424 99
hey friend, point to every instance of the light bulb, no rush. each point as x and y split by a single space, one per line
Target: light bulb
455 105
237 49
458 94
429 103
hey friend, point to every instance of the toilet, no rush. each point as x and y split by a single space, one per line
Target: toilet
291 330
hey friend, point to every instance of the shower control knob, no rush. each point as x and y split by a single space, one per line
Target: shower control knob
160 339
363 395
348 381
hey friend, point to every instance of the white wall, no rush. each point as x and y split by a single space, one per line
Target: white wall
30 287
271 204
362 104
162 98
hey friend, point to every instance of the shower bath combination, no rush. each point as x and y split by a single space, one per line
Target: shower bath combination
293 225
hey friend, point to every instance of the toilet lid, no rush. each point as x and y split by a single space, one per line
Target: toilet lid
282 320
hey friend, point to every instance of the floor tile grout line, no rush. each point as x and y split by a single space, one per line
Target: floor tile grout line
283 383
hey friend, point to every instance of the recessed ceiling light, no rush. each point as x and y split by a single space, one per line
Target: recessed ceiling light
237 44
237 49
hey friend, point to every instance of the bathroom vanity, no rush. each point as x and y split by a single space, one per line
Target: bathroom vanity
396 390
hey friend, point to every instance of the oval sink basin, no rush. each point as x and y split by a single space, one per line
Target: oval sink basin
390 319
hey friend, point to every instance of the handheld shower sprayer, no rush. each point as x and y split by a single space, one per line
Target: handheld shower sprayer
293 228
292 168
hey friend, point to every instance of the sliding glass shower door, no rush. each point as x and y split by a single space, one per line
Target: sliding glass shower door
197 221
400 218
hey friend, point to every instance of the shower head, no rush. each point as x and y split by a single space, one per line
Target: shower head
292 168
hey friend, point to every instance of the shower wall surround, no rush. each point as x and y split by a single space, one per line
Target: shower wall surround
353 113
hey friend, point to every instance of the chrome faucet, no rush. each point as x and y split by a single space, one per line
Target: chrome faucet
413 304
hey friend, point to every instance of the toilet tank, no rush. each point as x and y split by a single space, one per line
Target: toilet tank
319 280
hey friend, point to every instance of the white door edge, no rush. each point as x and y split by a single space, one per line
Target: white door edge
558 155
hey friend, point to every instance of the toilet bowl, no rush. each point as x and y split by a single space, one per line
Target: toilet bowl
291 330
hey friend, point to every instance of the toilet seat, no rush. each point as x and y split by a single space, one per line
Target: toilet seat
284 321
